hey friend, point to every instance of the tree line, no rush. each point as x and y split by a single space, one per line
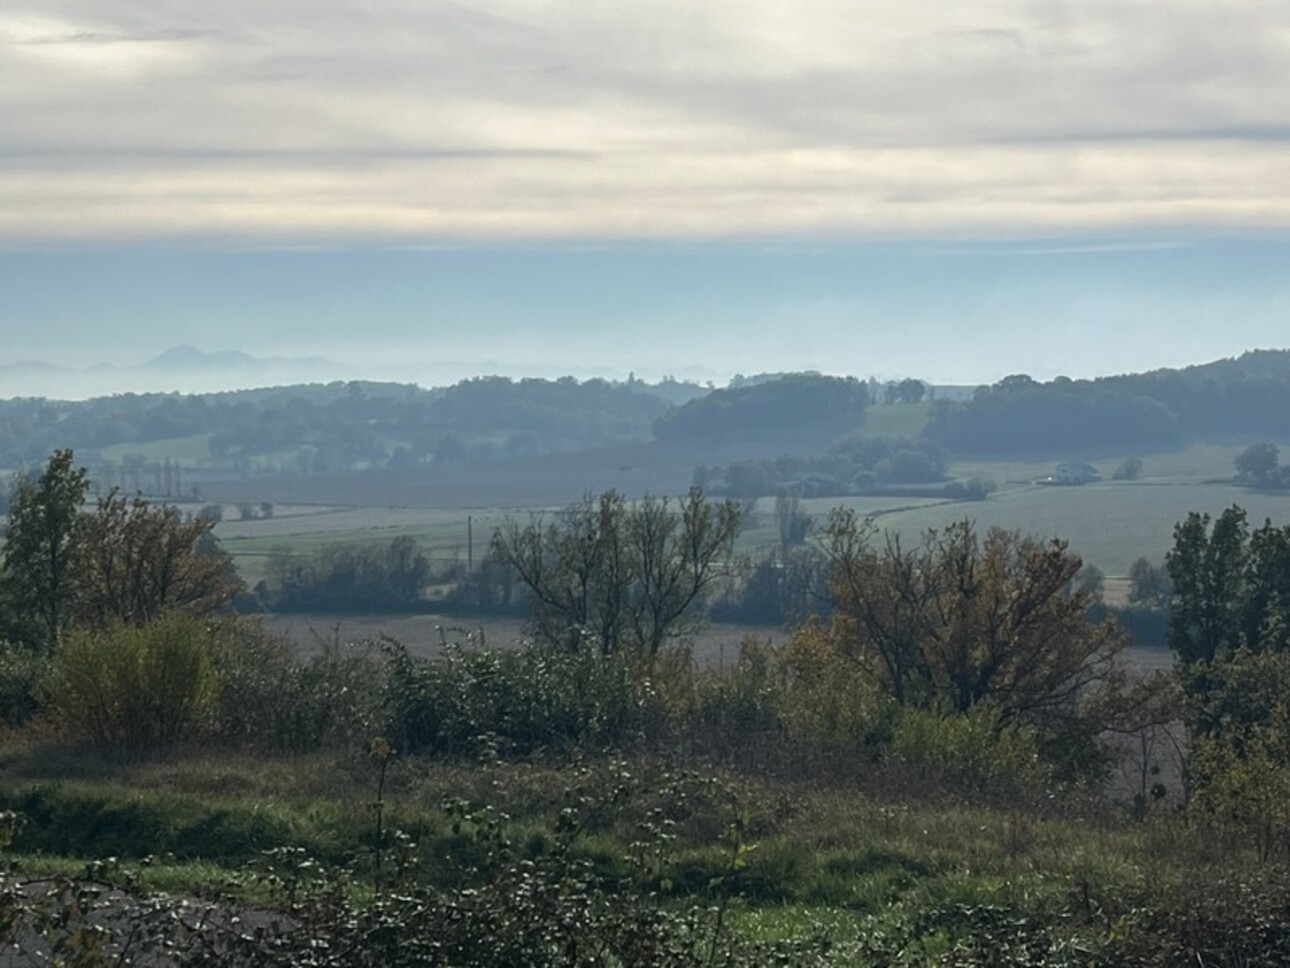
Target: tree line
1246 395
344 425
797 406
853 465
127 561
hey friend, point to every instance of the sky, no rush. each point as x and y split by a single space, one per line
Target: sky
432 188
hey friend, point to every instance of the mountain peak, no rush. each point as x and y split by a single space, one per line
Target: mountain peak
188 357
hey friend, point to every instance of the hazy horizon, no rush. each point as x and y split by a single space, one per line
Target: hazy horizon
560 186
951 312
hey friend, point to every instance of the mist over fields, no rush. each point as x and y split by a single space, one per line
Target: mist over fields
966 312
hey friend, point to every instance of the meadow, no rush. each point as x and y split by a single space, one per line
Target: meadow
191 451
1109 523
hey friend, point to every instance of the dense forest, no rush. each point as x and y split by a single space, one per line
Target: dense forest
806 408
345 425
1246 395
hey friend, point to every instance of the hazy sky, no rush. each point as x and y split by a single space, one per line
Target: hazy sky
953 190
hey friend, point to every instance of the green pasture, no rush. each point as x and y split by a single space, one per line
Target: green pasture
191 451
1109 523
1196 463
895 420
441 533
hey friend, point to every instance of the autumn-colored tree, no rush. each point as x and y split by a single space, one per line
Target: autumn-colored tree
960 621
135 561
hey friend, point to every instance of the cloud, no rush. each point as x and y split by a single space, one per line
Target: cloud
397 121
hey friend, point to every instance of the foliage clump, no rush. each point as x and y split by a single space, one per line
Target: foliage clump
390 577
962 623
128 561
127 688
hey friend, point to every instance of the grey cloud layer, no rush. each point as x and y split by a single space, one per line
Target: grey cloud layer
565 117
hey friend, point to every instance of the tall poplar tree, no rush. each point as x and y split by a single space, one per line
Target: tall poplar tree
38 579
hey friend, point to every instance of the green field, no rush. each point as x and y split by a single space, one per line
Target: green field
441 532
1110 523
1188 465
191 451
895 420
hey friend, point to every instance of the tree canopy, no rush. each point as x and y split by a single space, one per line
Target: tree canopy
45 525
1231 587
963 620
1248 394
804 405
134 561
128 561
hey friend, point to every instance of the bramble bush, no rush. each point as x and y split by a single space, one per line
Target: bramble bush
274 703
521 701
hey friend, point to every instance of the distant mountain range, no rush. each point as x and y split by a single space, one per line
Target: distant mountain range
188 369
182 368
188 357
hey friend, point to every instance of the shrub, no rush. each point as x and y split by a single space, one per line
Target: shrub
125 687
271 702
22 683
831 702
738 705
973 489
1223 918
520 701
969 749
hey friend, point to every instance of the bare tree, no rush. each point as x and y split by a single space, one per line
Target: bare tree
619 574
677 555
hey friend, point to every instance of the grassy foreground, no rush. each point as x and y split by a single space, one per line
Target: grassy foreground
192 793
887 868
